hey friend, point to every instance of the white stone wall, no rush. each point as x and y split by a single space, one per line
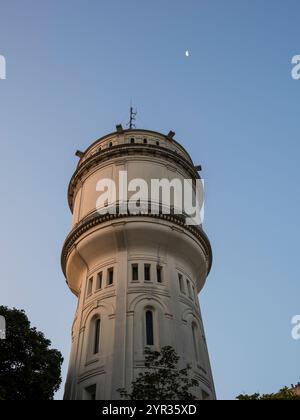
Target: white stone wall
117 245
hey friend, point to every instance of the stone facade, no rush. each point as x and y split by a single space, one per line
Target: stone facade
126 269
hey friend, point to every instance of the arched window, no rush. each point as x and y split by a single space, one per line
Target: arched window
149 328
195 340
96 335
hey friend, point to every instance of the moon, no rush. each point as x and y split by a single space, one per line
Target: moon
187 53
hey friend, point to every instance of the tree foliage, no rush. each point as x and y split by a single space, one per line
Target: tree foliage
29 369
284 394
162 379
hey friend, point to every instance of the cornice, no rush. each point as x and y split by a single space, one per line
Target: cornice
132 132
96 219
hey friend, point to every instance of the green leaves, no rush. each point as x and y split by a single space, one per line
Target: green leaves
162 379
29 369
284 394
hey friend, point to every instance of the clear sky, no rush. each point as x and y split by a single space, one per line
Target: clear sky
72 68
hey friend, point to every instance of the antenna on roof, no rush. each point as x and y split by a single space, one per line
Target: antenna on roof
133 114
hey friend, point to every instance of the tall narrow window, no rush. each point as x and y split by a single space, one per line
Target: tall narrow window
99 280
180 281
90 393
189 289
135 272
195 330
159 274
110 277
194 294
147 272
89 287
97 325
132 141
149 328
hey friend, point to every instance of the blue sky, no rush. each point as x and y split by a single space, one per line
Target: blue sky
72 68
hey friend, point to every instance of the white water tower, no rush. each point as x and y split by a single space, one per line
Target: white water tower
136 277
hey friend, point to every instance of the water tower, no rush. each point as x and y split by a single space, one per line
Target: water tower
136 276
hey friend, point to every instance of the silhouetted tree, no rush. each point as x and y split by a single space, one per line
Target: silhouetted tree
29 369
283 394
162 379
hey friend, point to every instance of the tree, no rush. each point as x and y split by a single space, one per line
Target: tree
283 394
162 379
29 369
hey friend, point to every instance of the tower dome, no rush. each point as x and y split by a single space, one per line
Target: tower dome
136 275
